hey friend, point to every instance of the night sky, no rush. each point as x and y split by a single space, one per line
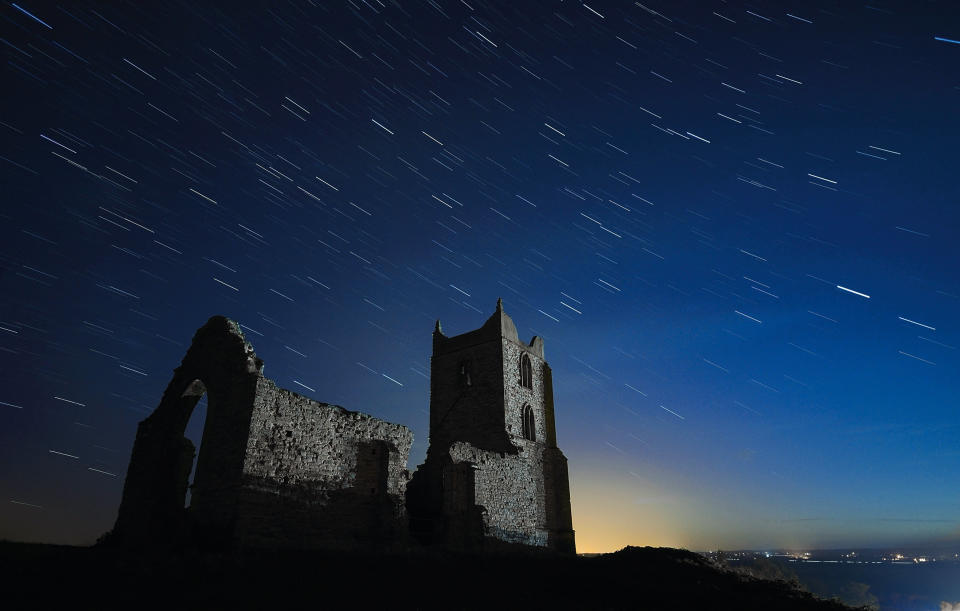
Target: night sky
735 225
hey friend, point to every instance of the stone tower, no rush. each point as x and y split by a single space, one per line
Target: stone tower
493 472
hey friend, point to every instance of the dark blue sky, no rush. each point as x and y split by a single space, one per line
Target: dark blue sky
733 223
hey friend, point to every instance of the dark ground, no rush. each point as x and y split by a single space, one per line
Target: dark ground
38 576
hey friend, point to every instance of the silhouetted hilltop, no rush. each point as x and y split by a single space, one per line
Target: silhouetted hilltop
632 578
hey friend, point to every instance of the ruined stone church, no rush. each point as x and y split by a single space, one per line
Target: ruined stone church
276 469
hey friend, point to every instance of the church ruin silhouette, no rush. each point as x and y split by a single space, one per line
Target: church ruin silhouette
276 469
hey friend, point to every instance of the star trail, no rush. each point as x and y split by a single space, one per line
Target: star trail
733 223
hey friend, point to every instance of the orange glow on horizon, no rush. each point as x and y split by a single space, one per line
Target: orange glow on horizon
608 516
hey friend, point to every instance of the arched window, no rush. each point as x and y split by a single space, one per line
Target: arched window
529 424
526 372
465 379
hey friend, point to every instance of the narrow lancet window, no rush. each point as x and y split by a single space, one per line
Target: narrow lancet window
526 372
529 424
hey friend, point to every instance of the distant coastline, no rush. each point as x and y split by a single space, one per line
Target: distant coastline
895 579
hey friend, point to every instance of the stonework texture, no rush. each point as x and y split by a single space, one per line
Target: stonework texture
317 475
276 469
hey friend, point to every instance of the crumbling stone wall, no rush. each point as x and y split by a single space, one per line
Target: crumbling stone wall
295 439
319 475
510 491
274 468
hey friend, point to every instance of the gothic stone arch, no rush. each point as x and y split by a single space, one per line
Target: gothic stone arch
219 362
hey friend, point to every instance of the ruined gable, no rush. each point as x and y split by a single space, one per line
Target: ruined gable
275 468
